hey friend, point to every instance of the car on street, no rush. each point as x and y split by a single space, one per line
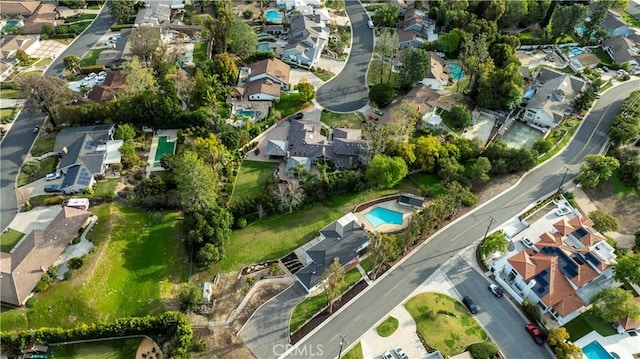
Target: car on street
297 116
535 333
562 211
497 291
387 355
470 304
36 129
400 353
370 24
51 188
52 176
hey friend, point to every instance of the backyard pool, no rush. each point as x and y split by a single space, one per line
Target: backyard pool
594 350
248 113
10 24
576 51
379 215
164 148
456 72
273 15
263 46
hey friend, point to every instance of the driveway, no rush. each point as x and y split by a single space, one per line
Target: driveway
266 333
348 91
37 218
405 337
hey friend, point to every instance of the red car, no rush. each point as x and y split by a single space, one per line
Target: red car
534 331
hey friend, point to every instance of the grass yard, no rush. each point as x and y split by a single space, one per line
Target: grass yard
65 42
585 323
444 322
354 353
47 165
7 115
133 271
42 146
9 239
290 103
324 75
200 51
312 305
89 59
106 188
111 349
571 125
367 264
11 94
388 327
426 183
620 188
630 19
351 120
80 17
252 178
44 62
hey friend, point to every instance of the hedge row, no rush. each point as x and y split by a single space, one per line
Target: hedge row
121 26
92 68
171 324
62 36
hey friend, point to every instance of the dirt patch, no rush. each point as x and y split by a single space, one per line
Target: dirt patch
624 208
223 343
228 293
260 296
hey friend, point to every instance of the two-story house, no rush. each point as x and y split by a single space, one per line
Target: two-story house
623 50
416 28
308 37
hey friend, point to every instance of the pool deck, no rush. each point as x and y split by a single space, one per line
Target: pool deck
172 135
386 228
622 344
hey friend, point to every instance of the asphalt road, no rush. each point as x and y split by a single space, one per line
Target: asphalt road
348 91
496 315
18 141
396 285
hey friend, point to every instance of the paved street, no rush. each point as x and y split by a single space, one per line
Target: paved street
348 91
394 287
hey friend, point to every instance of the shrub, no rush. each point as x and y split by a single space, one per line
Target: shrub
119 27
138 176
483 350
53 200
31 302
92 68
76 240
41 286
75 263
247 14
241 222
199 345
532 311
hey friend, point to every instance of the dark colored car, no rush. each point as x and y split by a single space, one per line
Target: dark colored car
470 304
534 331
51 188
497 291
297 116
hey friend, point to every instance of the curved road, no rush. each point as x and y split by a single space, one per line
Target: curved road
18 141
396 285
348 91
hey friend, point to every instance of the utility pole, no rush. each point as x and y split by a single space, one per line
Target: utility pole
563 178
342 342
491 220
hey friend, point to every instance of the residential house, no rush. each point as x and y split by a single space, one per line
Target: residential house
107 91
562 270
85 152
276 149
423 96
416 29
46 14
13 8
158 12
436 77
272 69
629 324
274 29
11 44
552 101
308 37
295 4
585 61
623 50
409 39
341 241
614 25
262 90
22 268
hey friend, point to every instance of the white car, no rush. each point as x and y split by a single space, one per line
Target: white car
562 211
387 355
400 353
370 24
91 76
52 176
527 242
102 74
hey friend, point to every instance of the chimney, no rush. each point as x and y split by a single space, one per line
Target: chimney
65 150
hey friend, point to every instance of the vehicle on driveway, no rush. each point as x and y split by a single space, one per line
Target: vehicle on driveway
297 116
470 304
52 176
51 188
535 333
562 211
400 353
497 291
527 242
387 355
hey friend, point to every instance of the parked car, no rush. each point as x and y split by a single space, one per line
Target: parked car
400 353
91 76
387 355
527 242
562 211
52 176
370 24
605 69
470 304
534 331
51 188
497 291
297 116
36 129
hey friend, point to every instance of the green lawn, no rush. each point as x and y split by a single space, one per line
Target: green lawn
111 349
134 270
620 188
351 120
44 62
388 327
9 239
252 178
310 306
11 94
367 264
290 103
571 126
106 188
80 17
585 323
200 51
324 75
427 183
631 20
354 353
444 322
89 59
42 146
7 115
46 166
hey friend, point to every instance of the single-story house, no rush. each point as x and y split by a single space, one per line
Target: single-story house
262 90
340 240
425 97
13 8
22 268
11 44
585 61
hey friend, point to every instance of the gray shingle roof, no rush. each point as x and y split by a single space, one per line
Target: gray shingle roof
277 148
78 145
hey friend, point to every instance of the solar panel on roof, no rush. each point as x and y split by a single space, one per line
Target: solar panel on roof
579 233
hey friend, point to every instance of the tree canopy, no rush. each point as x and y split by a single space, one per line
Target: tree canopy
597 169
603 222
385 171
121 10
628 268
382 94
612 304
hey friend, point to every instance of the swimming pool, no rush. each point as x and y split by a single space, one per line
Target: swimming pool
456 72
248 113
164 148
379 215
595 350
576 51
273 15
263 46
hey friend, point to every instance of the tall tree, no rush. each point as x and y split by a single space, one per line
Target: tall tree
475 51
629 170
121 10
72 64
381 251
480 170
203 94
597 169
404 118
208 230
138 77
287 196
385 171
196 181
415 64
386 16
427 152
48 94
333 282
460 117
596 17
612 304
382 94
566 18
449 170
376 136
219 28
224 65
628 268
515 13
306 90
184 85
210 150
387 47
496 242
603 222
242 39
125 132
147 44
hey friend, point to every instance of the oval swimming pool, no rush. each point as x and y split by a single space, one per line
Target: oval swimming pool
379 215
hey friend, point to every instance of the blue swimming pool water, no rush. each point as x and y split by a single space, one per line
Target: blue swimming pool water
379 215
263 46
456 72
576 51
273 15
594 350
248 113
